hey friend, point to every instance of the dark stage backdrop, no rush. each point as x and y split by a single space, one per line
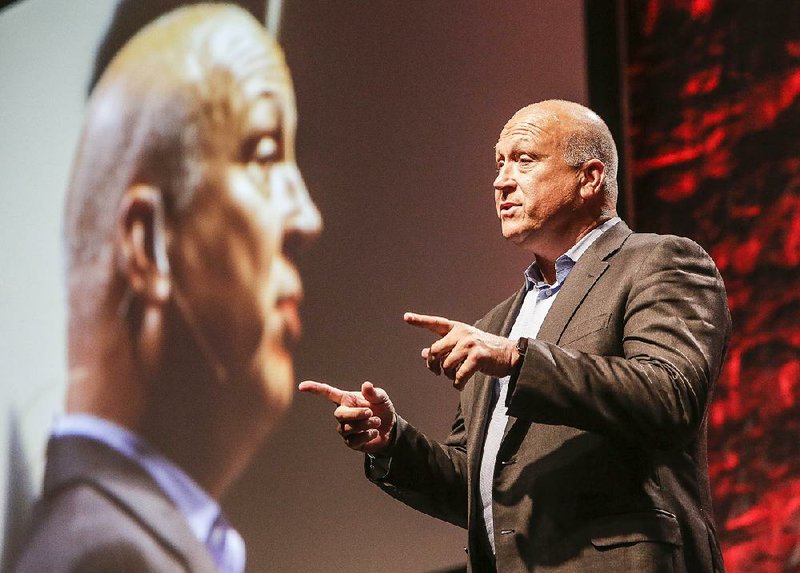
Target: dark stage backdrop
714 122
400 105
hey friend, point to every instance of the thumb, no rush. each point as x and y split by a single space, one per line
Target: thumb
374 395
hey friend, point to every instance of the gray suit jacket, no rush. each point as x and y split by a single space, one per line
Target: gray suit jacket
101 513
603 464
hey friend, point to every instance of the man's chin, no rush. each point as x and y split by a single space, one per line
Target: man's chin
521 235
515 236
278 382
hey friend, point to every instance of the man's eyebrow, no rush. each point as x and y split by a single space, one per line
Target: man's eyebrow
257 122
268 92
264 94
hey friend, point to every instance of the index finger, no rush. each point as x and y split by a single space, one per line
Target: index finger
436 324
335 395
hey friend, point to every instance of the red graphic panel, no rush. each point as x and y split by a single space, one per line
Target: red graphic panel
714 90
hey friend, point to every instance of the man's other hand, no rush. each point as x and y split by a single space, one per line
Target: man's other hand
464 350
366 418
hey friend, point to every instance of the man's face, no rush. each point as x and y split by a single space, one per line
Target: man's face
247 290
535 189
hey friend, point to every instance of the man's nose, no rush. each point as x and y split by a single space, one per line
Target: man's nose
302 221
504 181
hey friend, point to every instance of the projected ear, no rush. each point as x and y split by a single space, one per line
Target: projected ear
592 174
143 247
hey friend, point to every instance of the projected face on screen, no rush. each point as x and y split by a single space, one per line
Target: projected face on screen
190 137
183 211
257 212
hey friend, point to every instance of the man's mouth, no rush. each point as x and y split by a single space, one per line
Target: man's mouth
287 301
288 308
507 208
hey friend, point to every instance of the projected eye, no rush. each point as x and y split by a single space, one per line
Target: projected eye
261 150
266 150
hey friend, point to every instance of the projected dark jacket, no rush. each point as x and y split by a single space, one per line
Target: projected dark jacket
100 512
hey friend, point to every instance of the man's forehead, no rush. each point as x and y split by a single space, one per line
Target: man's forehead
266 110
526 128
264 86
249 53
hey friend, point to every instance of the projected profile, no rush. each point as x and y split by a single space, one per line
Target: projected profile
183 300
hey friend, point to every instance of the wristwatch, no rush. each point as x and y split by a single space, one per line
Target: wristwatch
522 346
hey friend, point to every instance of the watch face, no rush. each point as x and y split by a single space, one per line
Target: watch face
522 346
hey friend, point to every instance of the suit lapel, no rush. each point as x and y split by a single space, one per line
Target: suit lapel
507 314
580 281
575 288
75 460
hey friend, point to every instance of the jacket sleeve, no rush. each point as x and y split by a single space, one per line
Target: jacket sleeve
675 327
427 475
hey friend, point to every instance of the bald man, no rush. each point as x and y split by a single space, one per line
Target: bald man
183 300
579 443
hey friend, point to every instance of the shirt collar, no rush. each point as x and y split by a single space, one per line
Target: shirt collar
199 509
533 276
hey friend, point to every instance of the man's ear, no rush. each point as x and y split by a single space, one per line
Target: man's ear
592 177
143 246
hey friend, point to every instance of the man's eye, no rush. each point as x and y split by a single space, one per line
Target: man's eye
266 150
261 149
499 165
